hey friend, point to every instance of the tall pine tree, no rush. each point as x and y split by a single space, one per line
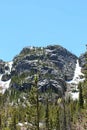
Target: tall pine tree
81 101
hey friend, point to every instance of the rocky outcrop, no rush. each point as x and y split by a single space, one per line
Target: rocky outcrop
53 64
6 77
82 60
5 70
2 67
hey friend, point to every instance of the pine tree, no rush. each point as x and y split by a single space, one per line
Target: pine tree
64 112
47 115
57 120
34 109
37 101
81 100
0 111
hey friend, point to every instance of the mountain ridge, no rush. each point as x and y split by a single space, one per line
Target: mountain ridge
53 64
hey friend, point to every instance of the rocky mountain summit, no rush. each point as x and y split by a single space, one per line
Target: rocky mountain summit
54 65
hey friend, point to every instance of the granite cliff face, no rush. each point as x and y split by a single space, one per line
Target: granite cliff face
53 64
82 60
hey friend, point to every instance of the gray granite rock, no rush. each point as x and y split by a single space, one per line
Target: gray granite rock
53 64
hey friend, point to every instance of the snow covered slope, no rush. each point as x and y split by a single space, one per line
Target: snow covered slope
73 84
5 84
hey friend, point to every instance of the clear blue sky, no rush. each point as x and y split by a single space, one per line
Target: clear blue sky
40 23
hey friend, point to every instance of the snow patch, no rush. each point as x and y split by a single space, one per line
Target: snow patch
78 77
48 50
20 124
5 84
10 65
75 95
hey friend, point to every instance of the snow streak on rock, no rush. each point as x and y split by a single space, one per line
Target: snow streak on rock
73 84
77 74
10 65
5 84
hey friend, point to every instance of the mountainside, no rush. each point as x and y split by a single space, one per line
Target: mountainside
53 64
46 89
